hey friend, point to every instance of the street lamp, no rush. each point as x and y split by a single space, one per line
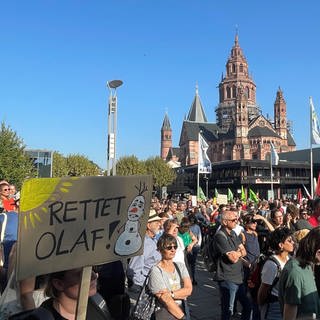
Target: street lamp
112 124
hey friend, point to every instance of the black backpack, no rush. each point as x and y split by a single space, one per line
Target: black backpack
213 254
254 279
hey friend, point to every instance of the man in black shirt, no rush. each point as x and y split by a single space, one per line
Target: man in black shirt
229 267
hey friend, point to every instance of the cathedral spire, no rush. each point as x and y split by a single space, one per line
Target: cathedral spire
236 39
166 123
196 112
166 137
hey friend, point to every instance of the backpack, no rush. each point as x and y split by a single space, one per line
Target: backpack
254 279
212 254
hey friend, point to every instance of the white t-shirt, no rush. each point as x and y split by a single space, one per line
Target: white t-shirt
179 256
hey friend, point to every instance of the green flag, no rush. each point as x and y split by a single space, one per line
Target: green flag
216 193
201 194
253 197
243 194
230 195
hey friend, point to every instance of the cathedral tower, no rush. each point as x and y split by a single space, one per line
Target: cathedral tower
237 75
280 115
241 148
166 137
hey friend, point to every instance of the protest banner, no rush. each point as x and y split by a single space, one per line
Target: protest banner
71 222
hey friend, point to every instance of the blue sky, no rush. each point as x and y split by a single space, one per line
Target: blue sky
56 57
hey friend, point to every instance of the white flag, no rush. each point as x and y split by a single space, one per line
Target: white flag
315 138
274 155
204 163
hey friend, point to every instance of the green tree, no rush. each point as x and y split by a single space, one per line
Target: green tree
59 165
163 175
79 165
15 165
130 165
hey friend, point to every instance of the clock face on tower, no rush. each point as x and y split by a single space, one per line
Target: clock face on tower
262 123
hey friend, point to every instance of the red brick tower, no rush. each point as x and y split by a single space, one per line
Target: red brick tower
280 115
237 74
241 149
166 137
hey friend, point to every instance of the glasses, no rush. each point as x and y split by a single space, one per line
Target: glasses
233 220
171 247
5 189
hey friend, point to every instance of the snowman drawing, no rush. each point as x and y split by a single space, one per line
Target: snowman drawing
130 240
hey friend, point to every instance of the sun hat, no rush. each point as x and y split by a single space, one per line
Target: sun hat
153 216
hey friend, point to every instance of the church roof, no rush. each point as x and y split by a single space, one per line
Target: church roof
174 151
191 130
291 141
166 123
267 132
196 112
261 132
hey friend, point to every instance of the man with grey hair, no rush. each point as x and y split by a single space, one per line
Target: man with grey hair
230 252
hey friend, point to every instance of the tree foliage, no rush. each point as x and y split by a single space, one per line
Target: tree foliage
59 165
74 165
15 165
130 166
79 165
163 175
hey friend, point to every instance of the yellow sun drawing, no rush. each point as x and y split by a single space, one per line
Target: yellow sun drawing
36 192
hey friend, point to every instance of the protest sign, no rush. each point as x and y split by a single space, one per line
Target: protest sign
71 222
222 199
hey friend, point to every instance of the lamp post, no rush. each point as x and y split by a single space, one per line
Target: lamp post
206 178
112 125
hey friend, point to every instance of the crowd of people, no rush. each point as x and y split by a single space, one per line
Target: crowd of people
265 256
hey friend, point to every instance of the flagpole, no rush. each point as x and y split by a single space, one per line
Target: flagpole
271 176
198 175
311 153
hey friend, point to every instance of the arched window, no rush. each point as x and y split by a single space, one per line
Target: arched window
234 91
233 68
248 92
241 67
228 92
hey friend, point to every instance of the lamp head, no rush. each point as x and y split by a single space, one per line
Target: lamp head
113 84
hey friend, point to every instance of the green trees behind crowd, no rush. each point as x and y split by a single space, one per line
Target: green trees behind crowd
162 174
16 166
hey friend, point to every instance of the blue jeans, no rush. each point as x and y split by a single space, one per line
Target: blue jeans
228 291
192 259
271 311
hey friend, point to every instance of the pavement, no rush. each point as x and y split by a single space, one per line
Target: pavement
204 303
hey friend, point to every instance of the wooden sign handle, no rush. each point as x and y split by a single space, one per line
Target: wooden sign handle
82 304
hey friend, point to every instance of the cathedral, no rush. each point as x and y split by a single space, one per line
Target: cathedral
241 132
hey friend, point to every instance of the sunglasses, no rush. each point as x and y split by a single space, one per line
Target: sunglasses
5 189
233 220
171 247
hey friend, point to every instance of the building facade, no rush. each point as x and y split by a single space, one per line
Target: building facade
240 131
42 162
239 141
